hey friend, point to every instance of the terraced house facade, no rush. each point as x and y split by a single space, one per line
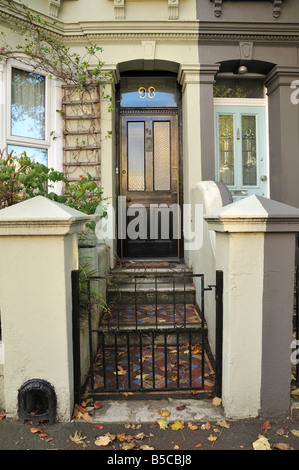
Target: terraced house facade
200 110
202 90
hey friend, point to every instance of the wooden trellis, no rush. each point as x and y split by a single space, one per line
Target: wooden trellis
81 132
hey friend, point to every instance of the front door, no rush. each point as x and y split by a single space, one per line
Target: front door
241 149
149 214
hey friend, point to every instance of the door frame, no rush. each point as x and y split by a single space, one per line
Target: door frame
249 102
118 153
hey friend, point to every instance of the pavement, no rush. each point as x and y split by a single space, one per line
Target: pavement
168 432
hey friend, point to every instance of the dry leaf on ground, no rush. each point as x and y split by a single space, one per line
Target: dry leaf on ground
98 404
163 423
281 446
216 401
146 447
223 424
78 438
191 426
177 425
261 443
295 432
102 441
164 413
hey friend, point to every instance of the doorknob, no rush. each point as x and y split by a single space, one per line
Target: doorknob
263 178
128 199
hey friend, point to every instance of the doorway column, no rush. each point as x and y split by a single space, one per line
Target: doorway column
188 77
207 80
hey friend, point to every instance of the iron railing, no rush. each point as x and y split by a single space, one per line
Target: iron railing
149 352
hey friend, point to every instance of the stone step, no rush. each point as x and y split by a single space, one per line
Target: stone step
152 284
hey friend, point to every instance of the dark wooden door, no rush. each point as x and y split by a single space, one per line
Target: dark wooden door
149 186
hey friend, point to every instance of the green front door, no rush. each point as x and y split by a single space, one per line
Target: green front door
240 133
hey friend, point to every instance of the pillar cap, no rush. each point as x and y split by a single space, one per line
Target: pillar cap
254 214
41 216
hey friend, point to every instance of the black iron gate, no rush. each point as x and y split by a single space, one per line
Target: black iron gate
151 338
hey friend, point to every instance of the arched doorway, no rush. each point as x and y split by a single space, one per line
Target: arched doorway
149 165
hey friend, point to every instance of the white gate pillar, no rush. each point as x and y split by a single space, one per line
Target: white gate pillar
255 249
38 251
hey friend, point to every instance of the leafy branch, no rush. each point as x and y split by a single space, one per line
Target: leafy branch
41 50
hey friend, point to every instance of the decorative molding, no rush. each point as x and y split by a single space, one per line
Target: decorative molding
276 7
119 9
173 9
246 50
149 48
54 6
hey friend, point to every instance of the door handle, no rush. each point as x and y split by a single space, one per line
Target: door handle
128 199
263 178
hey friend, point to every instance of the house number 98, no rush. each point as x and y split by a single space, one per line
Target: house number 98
150 92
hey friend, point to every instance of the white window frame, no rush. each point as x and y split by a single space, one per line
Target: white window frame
26 141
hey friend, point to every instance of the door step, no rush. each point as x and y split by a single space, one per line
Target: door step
151 285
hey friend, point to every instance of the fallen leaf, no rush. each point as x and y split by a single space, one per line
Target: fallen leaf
294 432
223 424
78 438
87 418
206 426
261 444
280 432
102 441
120 372
2 416
126 394
281 446
146 447
295 392
216 401
163 423
177 425
129 446
140 435
176 447
98 404
265 425
180 408
198 445
121 437
164 413
212 438
99 426
34 430
191 426
43 434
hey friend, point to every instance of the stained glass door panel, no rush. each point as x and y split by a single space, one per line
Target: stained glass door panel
240 146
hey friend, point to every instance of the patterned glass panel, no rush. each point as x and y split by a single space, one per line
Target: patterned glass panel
249 150
136 177
226 149
161 156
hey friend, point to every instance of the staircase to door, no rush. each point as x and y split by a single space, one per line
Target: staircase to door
152 335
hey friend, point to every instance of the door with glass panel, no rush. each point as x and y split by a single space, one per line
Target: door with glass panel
241 150
149 186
